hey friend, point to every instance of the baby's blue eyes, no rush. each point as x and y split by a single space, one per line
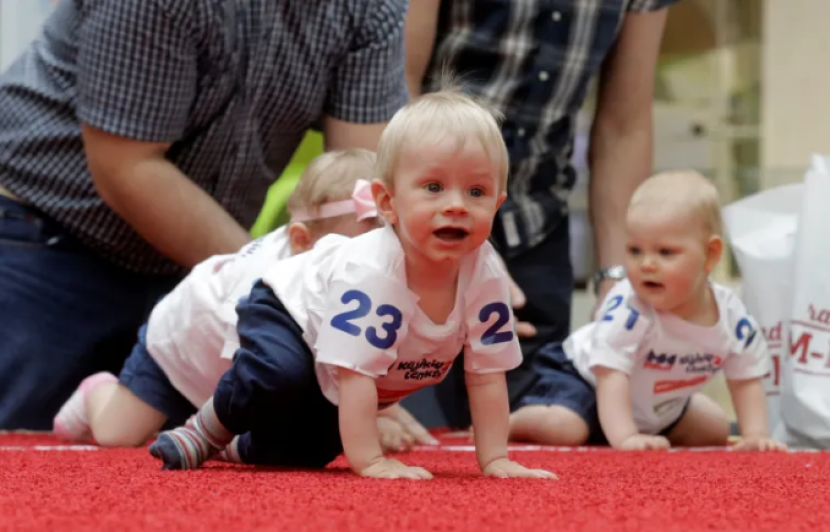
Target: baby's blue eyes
475 192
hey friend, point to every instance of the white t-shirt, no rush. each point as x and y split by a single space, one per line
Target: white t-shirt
351 299
192 325
667 358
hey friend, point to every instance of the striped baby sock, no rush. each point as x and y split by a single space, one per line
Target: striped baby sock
190 446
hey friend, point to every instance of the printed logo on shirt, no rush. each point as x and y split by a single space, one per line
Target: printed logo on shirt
692 363
423 369
670 386
661 362
701 363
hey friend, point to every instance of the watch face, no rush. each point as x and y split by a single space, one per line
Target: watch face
617 272
614 272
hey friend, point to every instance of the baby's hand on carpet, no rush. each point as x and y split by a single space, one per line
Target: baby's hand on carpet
644 442
399 431
504 468
393 437
391 468
759 443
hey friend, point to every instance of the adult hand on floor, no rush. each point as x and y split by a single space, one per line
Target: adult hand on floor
399 431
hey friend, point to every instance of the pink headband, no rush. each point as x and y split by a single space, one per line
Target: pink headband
361 203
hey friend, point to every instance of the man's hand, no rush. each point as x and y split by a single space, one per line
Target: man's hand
391 468
644 442
399 431
759 443
524 329
504 468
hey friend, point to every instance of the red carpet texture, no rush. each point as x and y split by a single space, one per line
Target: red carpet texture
43 488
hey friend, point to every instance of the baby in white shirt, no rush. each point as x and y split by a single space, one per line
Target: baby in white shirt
632 377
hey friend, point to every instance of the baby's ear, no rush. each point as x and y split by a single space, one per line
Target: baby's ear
299 238
714 250
385 201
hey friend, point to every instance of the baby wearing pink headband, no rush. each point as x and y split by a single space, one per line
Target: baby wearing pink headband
189 329
333 196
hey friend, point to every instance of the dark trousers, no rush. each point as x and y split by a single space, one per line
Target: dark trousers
270 395
545 274
65 313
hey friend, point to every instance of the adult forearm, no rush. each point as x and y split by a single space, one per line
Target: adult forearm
419 35
620 159
171 212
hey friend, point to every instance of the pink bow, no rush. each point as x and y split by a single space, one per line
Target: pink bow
364 203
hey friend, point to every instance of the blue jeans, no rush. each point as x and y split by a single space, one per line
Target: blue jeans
545 274
65 313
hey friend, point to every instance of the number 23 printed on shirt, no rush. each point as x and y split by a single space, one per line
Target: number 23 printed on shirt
613 304
343 321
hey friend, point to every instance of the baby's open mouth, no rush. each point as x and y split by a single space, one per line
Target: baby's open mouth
652 284
450 234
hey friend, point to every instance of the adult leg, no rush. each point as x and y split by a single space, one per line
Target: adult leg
65 313
703 424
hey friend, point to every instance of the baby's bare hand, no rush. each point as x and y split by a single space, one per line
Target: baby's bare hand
504 468
758 443
645 442
393 437
391 468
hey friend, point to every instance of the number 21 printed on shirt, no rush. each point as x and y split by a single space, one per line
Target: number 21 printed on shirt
613 304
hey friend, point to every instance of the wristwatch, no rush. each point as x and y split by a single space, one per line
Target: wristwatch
617 273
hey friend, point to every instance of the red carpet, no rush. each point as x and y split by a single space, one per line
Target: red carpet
601 490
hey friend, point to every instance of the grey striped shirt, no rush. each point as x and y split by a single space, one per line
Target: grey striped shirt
233 84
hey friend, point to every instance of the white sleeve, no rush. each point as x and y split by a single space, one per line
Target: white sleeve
366 317
749 358
619 330
491 343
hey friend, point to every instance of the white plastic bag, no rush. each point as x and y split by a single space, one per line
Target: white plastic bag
805 397
762 231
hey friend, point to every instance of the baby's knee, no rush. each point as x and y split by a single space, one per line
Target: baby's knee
113 437
549 425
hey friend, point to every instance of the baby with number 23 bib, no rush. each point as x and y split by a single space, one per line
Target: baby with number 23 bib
355 325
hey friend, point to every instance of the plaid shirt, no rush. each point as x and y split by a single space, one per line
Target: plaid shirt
533 60
233 85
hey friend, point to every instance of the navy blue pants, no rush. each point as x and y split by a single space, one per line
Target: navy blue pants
545 274
143 376
270 395
560 383
65 313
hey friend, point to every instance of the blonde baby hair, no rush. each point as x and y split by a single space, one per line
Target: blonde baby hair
682 191
331 177
447 113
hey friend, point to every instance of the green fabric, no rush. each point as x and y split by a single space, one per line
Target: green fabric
273 213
